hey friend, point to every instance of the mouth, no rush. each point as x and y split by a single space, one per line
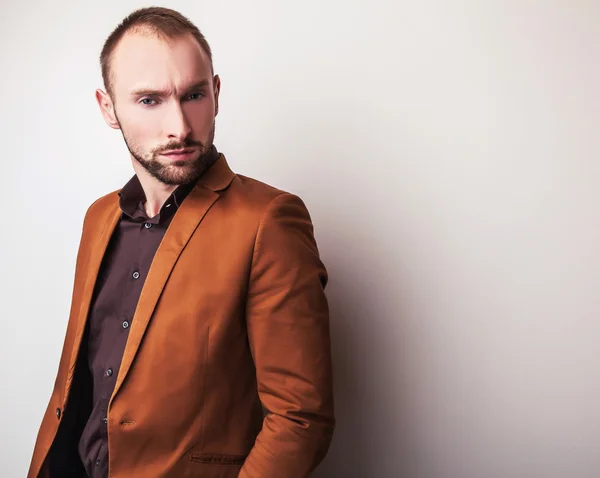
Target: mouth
179 154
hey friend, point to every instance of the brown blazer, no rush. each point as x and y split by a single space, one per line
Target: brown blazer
232 318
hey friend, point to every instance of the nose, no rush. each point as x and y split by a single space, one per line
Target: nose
177 125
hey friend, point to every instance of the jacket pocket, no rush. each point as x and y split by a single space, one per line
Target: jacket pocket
216 459
214 465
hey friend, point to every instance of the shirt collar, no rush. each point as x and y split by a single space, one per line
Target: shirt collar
132 200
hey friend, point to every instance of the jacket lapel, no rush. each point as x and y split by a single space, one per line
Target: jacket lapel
97 250
184 223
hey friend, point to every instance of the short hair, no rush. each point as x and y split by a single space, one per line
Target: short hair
162 22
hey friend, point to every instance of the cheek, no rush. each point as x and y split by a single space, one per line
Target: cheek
202 117
140 128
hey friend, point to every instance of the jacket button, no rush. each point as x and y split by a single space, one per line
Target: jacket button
58 413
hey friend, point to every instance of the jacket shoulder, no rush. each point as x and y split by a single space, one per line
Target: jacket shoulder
100 208
254 194
103 203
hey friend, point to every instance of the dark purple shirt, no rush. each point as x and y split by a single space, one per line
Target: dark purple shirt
118 287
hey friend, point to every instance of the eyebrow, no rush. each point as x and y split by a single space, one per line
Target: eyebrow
158 92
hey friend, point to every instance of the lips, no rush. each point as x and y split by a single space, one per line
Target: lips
179 153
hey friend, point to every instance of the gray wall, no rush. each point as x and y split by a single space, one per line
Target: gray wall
448 152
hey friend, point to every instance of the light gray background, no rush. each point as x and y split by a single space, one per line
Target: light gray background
448 153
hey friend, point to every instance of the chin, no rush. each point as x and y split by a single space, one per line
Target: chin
176 175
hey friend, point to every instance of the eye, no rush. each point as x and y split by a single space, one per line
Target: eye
147 101
196 96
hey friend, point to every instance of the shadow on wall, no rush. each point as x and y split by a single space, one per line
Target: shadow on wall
375 331
374 435
348 455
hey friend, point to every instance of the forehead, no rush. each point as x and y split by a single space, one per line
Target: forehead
144 58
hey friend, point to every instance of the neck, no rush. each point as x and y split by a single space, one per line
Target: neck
155 191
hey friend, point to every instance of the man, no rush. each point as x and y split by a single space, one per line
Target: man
198 338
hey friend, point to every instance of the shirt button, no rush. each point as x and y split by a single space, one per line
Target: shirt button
109 372
105 420
147 225
125 325
98 462
58 413
136 275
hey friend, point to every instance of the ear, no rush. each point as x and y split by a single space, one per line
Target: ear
217 90
107 108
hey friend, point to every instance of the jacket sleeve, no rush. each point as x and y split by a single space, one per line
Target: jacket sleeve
288 329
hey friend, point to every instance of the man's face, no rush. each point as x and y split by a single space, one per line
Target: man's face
164 100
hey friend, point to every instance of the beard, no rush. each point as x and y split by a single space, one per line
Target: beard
171 172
